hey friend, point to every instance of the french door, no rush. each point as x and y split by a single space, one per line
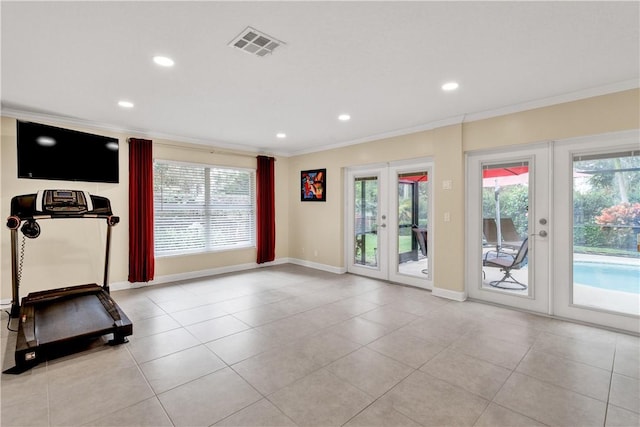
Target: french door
597 261
388 222
555 228
508 227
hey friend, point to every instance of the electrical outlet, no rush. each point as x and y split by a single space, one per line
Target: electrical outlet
447 216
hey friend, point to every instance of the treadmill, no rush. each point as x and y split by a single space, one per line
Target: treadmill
63 318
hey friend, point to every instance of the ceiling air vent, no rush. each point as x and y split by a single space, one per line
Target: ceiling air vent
255 42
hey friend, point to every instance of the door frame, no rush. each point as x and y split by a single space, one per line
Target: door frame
394 169
540 249
380 271
388 262
562 296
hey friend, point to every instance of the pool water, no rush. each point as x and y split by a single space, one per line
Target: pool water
616 277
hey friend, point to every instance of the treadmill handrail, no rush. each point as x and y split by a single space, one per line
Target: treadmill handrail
15 221
62 216
27 207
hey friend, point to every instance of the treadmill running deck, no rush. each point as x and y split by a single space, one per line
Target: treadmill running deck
63 316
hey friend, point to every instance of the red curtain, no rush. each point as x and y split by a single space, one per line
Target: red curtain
141 259
266 210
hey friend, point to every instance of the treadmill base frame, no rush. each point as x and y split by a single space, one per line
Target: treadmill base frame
36 343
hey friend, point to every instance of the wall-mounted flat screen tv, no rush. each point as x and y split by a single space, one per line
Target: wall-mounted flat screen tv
48 152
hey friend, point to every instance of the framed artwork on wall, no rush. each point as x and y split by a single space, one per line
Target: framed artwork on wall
313 185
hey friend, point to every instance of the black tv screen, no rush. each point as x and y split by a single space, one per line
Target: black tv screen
49 152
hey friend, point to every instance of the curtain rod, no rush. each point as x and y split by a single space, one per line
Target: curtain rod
209 150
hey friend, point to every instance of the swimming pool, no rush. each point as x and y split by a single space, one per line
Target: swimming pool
616 277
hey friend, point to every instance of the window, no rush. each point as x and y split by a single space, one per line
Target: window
202 208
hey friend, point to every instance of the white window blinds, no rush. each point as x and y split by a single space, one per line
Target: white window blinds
202 208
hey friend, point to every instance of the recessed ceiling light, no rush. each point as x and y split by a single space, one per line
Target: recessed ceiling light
163 60
281 135
344 117
450 86
125 104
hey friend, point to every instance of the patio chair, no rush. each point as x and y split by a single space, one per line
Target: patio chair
489 232
510 237
421 237
506 263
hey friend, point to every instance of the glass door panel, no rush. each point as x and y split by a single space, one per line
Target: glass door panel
407 245
505 227
606 232
413 220
366 221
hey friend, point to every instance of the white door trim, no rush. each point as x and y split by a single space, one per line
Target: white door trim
387 268
396 168
539 207
380 271
562 296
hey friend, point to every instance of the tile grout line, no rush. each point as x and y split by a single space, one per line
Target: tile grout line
613 364
155 395
492 401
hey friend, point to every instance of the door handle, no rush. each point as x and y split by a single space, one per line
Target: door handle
542 233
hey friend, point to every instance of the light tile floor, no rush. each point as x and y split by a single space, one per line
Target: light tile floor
288 345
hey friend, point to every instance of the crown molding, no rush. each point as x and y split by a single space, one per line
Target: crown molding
19 114
554 100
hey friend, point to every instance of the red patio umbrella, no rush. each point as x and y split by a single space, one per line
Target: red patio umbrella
493 172
500 175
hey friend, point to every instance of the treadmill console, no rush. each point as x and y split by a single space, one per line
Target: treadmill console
63 201
60 204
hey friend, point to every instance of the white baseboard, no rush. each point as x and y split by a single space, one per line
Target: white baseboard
448 294
317 266
119 286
